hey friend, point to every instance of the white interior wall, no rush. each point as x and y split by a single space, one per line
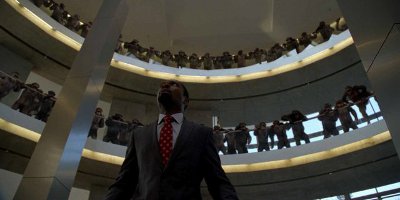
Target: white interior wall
44 83
79 194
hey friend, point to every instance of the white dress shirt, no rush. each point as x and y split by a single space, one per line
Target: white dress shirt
177 120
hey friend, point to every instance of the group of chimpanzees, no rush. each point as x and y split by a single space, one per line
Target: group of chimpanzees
118 129
226 60
206 62
32 101
238 139
61 15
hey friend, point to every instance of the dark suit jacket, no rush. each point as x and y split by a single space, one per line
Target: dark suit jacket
194 157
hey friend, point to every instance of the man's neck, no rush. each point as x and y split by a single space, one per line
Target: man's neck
178 117
170 111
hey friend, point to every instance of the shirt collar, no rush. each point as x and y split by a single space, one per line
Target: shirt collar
178 118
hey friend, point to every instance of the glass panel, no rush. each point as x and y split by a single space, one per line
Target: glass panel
395 196
388 187
341 197
363 193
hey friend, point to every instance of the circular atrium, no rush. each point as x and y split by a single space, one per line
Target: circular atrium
253 100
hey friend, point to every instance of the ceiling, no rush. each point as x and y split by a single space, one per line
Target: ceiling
215 26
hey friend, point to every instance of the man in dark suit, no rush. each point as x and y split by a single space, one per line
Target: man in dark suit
169 158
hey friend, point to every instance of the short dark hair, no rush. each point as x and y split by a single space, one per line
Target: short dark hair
185 91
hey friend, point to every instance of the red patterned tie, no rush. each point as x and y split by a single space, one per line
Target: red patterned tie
166 139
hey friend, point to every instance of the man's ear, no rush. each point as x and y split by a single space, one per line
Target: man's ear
185 102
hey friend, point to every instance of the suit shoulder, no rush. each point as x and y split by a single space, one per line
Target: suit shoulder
141 129
202 132
199 127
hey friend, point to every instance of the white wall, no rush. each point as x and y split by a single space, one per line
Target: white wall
44 83
79 194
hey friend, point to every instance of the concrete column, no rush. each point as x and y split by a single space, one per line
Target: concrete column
54 163
370 22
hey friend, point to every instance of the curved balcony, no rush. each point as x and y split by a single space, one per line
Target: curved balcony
286 63
254 175
29 128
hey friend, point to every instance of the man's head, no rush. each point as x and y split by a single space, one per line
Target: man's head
172 97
